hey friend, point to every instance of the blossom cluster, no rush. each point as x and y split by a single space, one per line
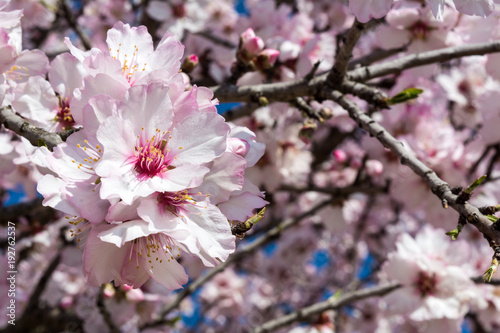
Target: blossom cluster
151 177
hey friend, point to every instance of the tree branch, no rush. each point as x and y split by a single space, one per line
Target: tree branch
240 111
105 313
286 91
330 304
216 39
20 126
420 59
438 186
344 55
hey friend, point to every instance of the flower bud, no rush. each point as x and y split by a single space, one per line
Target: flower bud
108 290
339 155
267 58
250 45
189 63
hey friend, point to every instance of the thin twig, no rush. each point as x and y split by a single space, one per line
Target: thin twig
216 39
105 313
70 18
337 191
330 304
420 59
374 56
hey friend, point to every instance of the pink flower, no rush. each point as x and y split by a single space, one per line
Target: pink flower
131 58
433 288
145 152
134 262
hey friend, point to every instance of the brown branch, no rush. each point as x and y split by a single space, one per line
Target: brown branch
420 59
344 54
370 94
240 111
438 186
330 304
337 191
20 126
374 56
286 91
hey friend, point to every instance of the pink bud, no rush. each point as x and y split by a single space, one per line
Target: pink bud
66 302
135 295
253 45
238 146
108 291
374 167
247 35
189 63
340 155
125 287
267 58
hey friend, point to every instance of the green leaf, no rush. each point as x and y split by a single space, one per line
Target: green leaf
492 218
405 95
454 234
475 184
488 275
336 295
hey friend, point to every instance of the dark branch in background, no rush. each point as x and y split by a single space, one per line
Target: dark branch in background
32 210
71 19
240 111
374 56
474 167
216 39
330 304
420 59
39 316
258 243
105 313
338 191
20 126
40 287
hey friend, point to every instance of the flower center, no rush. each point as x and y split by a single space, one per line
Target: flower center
420 30
130 62
154 248
426 283
64 115
174 201
152 155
